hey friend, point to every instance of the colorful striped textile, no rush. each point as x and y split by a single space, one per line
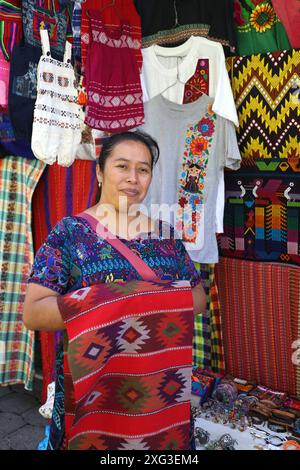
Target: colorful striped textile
260 309
266 91
262 217
208 342
60 192
130 358
10 25
18 179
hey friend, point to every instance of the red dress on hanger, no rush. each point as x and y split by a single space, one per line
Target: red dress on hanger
113 83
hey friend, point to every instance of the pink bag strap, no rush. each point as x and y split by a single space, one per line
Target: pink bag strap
139 265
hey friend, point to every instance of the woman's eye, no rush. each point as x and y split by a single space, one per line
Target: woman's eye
144 170
121 166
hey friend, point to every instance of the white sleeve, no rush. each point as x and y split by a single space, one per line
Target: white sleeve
224 104
232 156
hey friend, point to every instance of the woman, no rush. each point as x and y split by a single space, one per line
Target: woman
74 256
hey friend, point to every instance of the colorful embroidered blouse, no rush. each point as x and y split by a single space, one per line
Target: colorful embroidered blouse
74 256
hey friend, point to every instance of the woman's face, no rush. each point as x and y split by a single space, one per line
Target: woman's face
127 173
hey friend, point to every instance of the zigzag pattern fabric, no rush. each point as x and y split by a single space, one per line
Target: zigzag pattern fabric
266 89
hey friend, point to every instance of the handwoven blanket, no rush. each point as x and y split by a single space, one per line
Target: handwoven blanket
18 178
260 308
60 192
266 89
130 358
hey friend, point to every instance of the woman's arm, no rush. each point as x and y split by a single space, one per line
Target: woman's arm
199 298
41 310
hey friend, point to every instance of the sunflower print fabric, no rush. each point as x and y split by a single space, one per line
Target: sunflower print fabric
258 28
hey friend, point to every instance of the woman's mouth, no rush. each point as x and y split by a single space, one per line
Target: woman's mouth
130 192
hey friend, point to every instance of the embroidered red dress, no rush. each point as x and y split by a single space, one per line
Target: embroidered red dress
112 78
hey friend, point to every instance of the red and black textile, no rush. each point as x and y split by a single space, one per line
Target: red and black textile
130 362
260 309
60 192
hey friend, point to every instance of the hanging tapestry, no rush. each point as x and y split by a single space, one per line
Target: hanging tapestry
130 366
10 25
18 178
260 309
258 28
266 88
172 22
60 192
262 217
208 342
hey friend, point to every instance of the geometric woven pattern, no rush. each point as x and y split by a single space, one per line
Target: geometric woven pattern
266 91
129 358
260 307
262 217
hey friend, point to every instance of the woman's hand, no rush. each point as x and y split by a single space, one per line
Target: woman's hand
199 298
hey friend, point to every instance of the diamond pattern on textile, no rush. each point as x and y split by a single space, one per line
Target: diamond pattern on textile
87 353
133 394
134 444
171 387
133 335
170 332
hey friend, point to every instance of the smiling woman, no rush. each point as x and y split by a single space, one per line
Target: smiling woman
95 256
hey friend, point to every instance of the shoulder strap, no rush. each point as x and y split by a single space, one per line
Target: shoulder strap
141 267
45 41
68 52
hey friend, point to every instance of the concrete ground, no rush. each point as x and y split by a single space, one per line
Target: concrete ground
21 425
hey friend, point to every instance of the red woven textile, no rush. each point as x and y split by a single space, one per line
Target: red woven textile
112 16
288 11
260 309
130 358
60 192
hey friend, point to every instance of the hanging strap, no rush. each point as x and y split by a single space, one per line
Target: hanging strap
68 52
139 265
45 42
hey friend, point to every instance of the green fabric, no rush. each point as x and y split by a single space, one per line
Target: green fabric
258 28
18 177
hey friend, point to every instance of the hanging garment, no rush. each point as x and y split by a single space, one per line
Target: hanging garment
198 143
54 19
288 12
56 130
112 16
173 21
258 28
9 145
260 305
166 70
60 192
10 25
208 348
4 82
266 89
18 178
262 217
112 78
76 28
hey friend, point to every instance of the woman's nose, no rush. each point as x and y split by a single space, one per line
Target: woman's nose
132 176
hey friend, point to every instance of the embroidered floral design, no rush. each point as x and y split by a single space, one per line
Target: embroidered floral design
198 146
262 18
192 177
206 127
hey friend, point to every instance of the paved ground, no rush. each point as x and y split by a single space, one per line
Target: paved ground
21 425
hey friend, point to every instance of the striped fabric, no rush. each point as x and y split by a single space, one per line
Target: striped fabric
18 179
60 192
208 343
260 309
76 27
10 25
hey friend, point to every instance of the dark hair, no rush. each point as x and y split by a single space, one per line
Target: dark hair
109 144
